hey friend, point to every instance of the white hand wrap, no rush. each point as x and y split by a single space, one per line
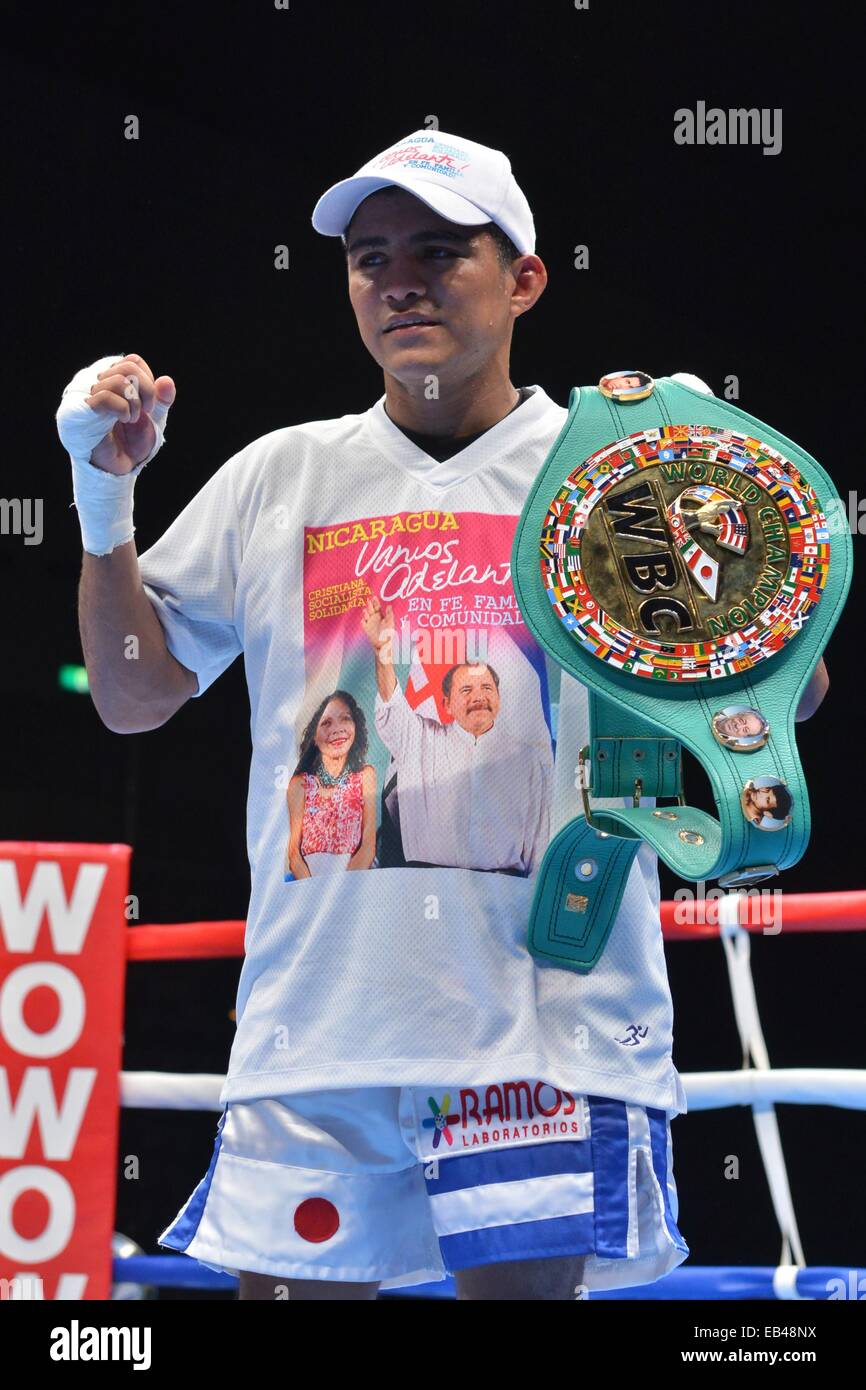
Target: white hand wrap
103 500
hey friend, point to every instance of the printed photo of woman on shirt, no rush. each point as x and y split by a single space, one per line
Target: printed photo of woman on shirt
332 794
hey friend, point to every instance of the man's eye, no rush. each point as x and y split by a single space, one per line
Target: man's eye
365 261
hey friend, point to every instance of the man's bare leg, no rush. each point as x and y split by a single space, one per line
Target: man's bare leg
269 1286
555 1279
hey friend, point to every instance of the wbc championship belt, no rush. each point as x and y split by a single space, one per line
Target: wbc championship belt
687 564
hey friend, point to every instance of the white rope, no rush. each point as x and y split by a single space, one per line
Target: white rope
705 1090
737 946
167 1090
785 1283
713 1090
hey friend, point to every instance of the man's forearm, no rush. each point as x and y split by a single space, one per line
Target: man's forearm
135 682
386 681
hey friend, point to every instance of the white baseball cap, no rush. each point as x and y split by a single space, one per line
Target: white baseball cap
461 180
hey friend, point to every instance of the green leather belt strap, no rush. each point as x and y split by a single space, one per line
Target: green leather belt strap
674 556
577 895
625 749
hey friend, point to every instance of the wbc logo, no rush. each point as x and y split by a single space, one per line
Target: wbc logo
696 511
716 513
684 552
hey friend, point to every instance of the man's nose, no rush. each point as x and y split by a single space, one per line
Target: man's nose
402 281
401 295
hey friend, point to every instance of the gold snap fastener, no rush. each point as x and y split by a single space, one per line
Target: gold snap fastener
666 815
691 837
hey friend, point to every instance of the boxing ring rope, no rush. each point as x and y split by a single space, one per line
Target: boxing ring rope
712 1090
802 912
731 918
700 1282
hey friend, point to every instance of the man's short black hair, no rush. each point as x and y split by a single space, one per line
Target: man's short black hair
506 251
784 802
448 678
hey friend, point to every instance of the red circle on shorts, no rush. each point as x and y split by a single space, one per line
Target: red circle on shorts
317 1219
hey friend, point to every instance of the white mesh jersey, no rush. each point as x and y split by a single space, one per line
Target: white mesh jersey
362 969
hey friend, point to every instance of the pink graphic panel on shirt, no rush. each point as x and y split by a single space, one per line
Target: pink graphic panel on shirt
442 755
446 577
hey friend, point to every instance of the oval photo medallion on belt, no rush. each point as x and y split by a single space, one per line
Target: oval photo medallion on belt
740 728
625 387
684 552
766 802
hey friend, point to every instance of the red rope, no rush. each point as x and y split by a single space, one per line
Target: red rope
185 941
794 912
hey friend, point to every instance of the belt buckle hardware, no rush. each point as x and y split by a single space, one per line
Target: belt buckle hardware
583 761
582 764
742 878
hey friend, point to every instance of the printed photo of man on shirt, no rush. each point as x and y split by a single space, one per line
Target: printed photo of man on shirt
470 794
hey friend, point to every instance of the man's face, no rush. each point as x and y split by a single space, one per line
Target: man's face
624 383
764 798
474 699
743 725
423 264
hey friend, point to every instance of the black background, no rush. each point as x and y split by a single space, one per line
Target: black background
715 260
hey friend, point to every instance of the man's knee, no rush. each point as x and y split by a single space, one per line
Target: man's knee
271 1287
559 1279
